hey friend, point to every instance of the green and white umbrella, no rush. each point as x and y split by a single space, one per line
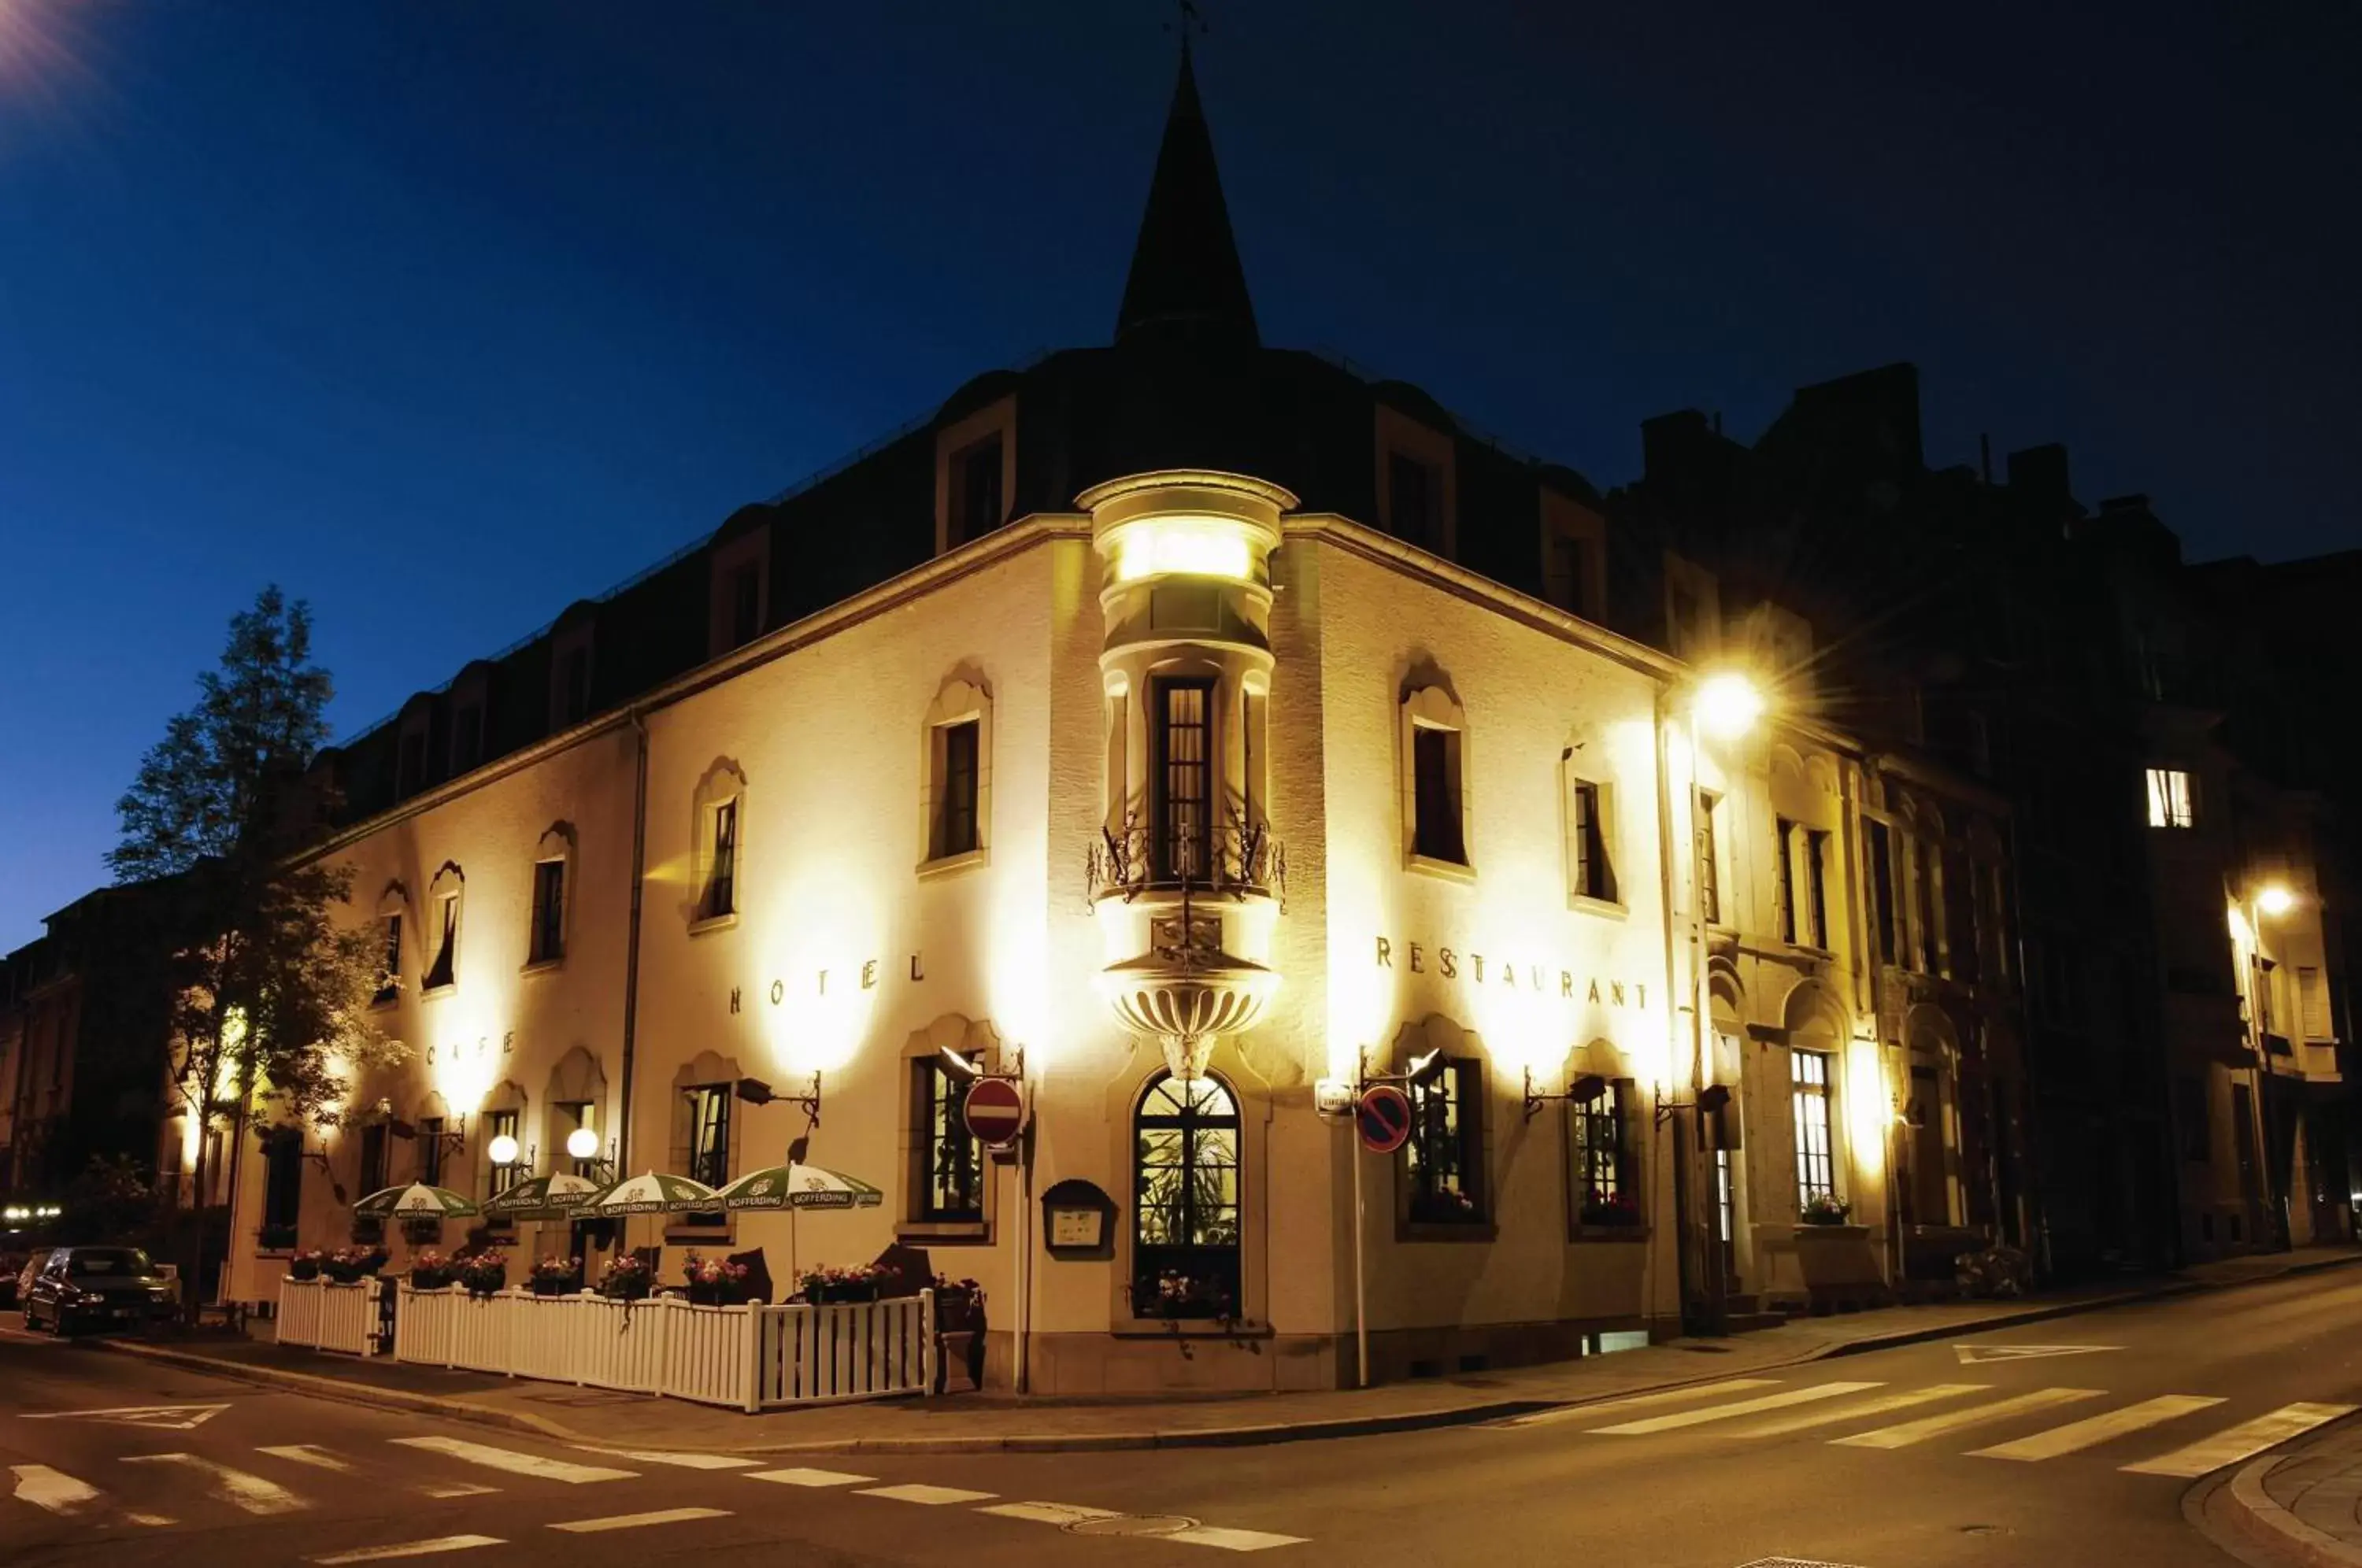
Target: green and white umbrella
652 1193
799 1186
544 1197
417 1201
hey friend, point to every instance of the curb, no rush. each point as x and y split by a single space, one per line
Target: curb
1249 1436
2264 1524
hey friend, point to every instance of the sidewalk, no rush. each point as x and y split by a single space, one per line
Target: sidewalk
2301 1508
973 1422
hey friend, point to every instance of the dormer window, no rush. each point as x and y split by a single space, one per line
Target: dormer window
738 604
467 737
976 489
573 692
1411 497
410 768
1416 481
746 594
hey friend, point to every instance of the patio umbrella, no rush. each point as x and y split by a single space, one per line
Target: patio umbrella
417 1201
797 1187
544 1197
652 1193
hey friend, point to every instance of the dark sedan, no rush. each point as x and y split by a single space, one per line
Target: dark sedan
96 1288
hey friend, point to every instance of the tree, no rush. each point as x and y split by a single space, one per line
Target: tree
269 993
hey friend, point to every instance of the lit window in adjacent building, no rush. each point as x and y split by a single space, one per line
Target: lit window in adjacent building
430 1150
1435 795
388 980
502 1124
1815 1165
548 912
1595 1131
955 802
1709 860
708 1134
1185 1208
2169 799
976 489
1589 870
722 877
1184 778
443 971
951 1162
1444 1162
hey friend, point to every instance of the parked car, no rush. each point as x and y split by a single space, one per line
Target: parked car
96 1288
20 1280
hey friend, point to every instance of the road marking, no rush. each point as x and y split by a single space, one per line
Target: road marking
2092 1431
149 1519
2235 1443
1737 1407
635 1521
309 1454
1900 1400
1927 1427
410 1548
932 1496
686 1460
1978 1356
52 1489
1635 1401
252 1493
168 1418
456 1489
800 1478
1050 1513
515 1462
1233 1540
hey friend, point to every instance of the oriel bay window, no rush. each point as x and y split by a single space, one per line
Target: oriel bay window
1184 1243
1444 1161
949 1180
1183 760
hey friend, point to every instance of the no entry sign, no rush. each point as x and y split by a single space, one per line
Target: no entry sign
1382 1119
995 1112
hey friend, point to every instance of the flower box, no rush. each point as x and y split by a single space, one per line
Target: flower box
305 1265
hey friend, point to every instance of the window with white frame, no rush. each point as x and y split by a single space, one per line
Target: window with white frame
2169 804
721 896
1815 1156
1590 865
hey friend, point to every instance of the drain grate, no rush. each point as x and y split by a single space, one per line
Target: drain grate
1134 1524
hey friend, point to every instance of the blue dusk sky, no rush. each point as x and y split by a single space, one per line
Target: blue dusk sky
444 314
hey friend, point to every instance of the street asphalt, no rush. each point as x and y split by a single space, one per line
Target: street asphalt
2068 1442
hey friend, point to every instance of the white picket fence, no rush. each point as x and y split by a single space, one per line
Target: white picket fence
748 1357
323 1315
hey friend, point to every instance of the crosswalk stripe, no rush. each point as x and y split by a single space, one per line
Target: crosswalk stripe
635 1521
309 1454
1636 1402
152 1519
1737 1407
516 1462
2235 1443
1901 1399
795 1476
1928 1427
2092 1431
252 1493
932 1496
409 1549
1233 1540
1050 1513
52 1489
686 1460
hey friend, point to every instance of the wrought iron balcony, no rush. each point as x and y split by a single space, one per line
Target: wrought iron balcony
1233 860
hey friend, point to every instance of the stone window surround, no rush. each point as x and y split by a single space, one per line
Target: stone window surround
751 547
1398 432
998 417
395 900
1572 772
965 695
1561 518
965 1036
450 884
1432 706
558 843
723 781
703 1070
1438 1033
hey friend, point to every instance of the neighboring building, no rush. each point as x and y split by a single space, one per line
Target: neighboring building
1189 725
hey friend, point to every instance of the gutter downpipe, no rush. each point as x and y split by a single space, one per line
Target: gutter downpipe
1672 1016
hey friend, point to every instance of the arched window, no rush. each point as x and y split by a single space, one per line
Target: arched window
1185 1243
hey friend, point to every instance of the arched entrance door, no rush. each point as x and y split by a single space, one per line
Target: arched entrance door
1185 1240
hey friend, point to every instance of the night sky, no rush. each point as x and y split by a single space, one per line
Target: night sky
444 314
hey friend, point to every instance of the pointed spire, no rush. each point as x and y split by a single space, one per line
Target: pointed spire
1185 279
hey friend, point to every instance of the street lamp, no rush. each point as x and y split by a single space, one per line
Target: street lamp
1727 704
580 1145
2275 900
504 1151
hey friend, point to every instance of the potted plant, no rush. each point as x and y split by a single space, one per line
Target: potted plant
350 1265
1617 1211
485 1272
830 1283
429 1270
626 1278
556 1277
1825 1208
305 1265
958 1302
1184 1295
716 1282
276 1238
422 1232
1449 1205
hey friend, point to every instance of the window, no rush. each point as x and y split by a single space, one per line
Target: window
2169 799
430 1150
503 1124
1881 888
388 980
708 1134
548 912
282 1187
976 497
950 1184
570 1114
1816 1168
1411 508
1685 622
1709 860
745 602
956 806
1185 777
467 737
373 1158
1922 855
442 972
410 769
1590 872
1783 879
721 878
1596 1132
574 686
1435 795
1566 572
1817 888
2312 1001
1185 1245
1445 1155
2267 985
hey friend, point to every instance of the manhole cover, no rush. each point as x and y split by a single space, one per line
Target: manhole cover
1134 1524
